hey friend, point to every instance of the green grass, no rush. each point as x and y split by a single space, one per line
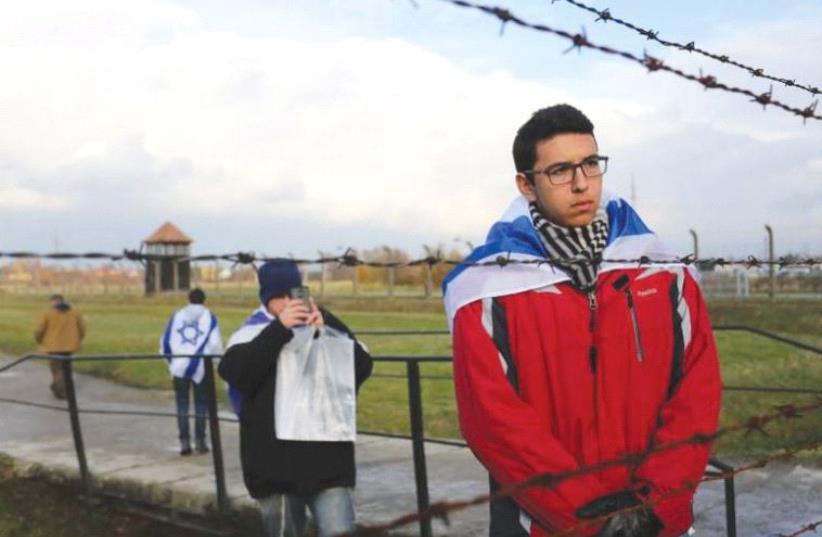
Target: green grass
134 324
31 508
800 319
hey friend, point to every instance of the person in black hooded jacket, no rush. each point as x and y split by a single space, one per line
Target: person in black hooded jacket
287 477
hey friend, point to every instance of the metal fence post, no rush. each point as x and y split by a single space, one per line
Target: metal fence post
216 443
771 268
696 243
730 507
418 442
323 276
730 496
74 417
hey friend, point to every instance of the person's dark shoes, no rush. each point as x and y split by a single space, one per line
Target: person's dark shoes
202 447
58 391
185 448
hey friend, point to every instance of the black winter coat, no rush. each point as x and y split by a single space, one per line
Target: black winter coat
273 466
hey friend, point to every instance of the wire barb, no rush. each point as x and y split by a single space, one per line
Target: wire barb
578 41
653 64
765 98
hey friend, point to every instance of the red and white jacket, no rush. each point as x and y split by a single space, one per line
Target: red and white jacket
551 380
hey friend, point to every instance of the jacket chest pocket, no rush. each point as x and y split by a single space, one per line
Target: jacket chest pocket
647 311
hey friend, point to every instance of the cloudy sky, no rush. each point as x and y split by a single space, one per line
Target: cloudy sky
289 127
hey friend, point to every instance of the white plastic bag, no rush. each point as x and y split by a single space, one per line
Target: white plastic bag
316 397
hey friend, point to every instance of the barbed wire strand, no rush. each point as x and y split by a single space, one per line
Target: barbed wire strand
351 259
804 529
605 15
651 63
441 510
689 486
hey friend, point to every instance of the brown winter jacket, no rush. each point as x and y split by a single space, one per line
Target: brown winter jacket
61 329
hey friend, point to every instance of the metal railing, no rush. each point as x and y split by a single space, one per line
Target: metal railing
415 413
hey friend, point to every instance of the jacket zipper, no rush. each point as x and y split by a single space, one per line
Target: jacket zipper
592 351
640 354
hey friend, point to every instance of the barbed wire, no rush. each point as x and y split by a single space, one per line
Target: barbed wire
804 529
753 424
651 63
351 259
690 486
605 15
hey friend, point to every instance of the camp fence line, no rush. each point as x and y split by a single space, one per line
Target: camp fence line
753 424
440 510
605 15
350 259
580 40
756 423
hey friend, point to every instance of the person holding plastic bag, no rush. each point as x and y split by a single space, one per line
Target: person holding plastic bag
294 370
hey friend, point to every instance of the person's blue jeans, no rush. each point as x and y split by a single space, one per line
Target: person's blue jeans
331 509
182 389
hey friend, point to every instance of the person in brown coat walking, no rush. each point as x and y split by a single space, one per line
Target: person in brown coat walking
60 332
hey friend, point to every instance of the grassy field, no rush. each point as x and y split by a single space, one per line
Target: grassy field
133 324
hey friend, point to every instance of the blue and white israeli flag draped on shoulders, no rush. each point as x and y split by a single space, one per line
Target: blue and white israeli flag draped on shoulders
250 329
192 330
514 237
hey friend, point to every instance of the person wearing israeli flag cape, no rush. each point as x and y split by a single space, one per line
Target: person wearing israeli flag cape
289 477
189 334
568 353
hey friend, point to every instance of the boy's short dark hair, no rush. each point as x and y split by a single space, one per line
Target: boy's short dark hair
544 124
196 296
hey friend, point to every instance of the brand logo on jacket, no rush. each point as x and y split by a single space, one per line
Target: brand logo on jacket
647 292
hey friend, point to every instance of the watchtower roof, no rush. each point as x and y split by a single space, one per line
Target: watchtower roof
168 233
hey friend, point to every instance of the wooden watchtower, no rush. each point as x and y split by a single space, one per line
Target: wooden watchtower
167 272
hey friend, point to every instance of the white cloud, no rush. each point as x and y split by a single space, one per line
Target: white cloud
353 130
15 198
141 106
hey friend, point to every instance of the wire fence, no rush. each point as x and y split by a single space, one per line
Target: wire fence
579 41
360 274
605 15
350 259
756 423
426 512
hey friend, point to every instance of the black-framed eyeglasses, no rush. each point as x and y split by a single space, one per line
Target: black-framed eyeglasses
559 174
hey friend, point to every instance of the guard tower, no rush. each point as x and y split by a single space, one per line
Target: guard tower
167 272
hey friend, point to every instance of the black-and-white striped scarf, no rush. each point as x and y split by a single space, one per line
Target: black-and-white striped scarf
576 250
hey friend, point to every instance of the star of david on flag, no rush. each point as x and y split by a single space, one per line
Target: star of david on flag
186 328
